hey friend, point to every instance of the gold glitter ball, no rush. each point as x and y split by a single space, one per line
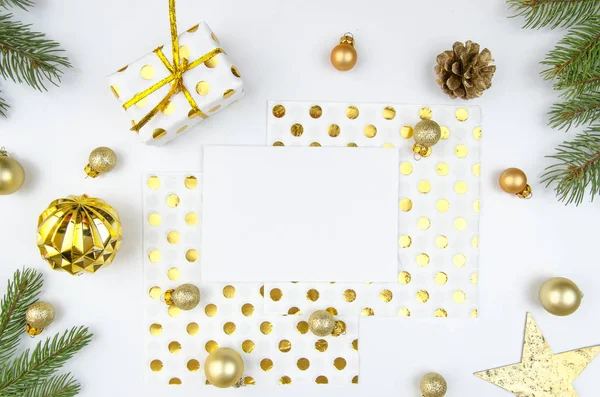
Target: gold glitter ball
39 315
427 133
321 323
433 385
185 297
102 159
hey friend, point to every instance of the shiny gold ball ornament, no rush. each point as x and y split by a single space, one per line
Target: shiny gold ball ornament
184 297
79 233
560 296
426 133
321 323
38 316
433 385
12 174
224 368
514 181
344 55
102 159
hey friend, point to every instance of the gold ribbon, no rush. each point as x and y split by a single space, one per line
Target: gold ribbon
177 69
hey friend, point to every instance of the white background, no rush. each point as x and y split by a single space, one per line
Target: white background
282 48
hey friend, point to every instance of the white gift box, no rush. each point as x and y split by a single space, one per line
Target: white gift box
213 85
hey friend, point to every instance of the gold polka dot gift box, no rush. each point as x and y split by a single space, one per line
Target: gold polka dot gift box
166 93
438 198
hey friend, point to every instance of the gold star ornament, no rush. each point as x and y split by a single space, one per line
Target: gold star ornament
541 373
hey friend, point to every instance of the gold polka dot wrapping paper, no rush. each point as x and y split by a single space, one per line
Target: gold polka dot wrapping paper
213 85
277 350
439 201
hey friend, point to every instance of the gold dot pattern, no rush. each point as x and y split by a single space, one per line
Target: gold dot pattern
173 274
211 310
321 345
407 132
193 365
156 365
404 277
302 327
321 380
405 241
315 111
276 294
303 364
352 112
370 131
248 309
266 364
285 346
266 328
174 381
312 295
285 380
229 291
389 113
155 292
278 111
147 72
156 330
174 347
406 204
425 113
192 329
229 328
248 346
349 295
297 130
406 168
339 363
386 296
191 255
333 130
154 219
191 219
211 346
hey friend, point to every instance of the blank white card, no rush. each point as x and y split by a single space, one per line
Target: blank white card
299 214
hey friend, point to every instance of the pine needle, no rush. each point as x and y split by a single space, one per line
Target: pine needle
16 3
583 109
3 107
553 13
577 84
577 167
57 386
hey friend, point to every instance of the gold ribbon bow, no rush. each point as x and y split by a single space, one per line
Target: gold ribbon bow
177 69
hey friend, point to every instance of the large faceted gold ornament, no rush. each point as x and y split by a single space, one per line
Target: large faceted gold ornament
79 233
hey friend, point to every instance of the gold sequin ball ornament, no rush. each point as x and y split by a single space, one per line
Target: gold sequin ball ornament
102 159
38 316
224 368
184 297
560 296
79 233
426 133
321 323
514 181
344 55
433 385
12 174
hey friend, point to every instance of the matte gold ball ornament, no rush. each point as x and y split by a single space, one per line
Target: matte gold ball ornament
426 133
344 55
102 159
224 368
433 385
12 174
38 316
514 181
560 296
321 323
184 297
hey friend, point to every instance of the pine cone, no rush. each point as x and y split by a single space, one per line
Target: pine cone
464 72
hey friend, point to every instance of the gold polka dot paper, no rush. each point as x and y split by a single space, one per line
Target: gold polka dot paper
277 350
213 85
439 204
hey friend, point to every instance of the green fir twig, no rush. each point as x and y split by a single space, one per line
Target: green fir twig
583 109
577 167
578 84
23 4
57 386
3 107
553 13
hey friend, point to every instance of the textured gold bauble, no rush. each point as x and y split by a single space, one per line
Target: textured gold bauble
12 174
102 159
38 316
344 55
321 323
79 233
433 385
514 181
560 296
184 297
224 368
427 133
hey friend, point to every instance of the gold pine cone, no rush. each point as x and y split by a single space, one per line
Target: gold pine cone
464 72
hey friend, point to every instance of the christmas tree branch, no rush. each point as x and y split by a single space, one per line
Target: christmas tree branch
3 107
21 292
583 109
16 3
578 84
577 167
553 13
57 386
29 370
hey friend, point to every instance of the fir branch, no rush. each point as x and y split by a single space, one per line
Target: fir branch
23 4
577 167
32 368
57 386
576 53
21 292
3 107
28 56
583 109
577 84
553 13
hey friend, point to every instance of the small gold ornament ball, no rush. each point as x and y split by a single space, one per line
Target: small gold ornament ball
321 323
186 296
344 55
433 385
427 133
224 367
513 181
560 296
39 315
102 159
12 174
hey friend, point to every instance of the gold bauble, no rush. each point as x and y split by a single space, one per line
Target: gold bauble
184 297
433 385
321 323
79 233
224 368
102 159
514 181
38 316
427 133
560 296
344 55
12 174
